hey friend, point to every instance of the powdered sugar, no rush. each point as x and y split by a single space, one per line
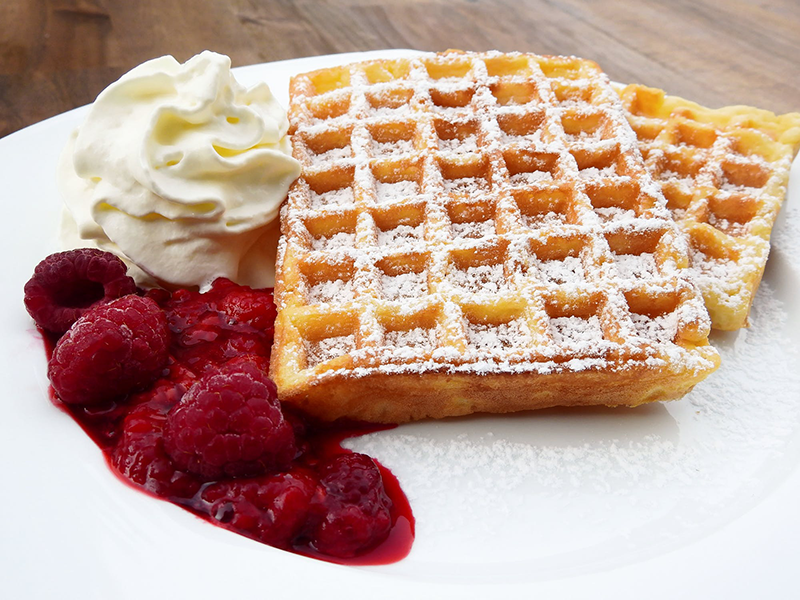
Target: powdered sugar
333 154
660 476
473 229
485 279
459 145
405 285
328 349
636 266
661 327
335 291
343 239
471 186
576 331
615 213
497 338
596 172
400 235
719 268
340 197
418 339
566 271
531 177
547 219
732 228
486 195
686 181
393 148
395 191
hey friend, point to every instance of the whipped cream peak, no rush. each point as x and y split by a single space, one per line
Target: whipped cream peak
179 169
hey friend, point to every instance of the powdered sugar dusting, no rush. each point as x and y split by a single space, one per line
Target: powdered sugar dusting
333 154
636 266
661 327
335 291
342 239
393 148
340 197
497 338
400 234
459 145
417 338
615 214
477 177
597 172
659 476
405 285
392 192
473 229
471 186
531 177
730 227
568 270
576 331
483 278
328 349
548 219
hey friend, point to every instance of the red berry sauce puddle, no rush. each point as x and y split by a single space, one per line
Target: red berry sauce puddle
299 490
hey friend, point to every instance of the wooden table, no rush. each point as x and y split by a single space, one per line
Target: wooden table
59 54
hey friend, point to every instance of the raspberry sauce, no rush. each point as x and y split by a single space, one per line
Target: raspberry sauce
294 509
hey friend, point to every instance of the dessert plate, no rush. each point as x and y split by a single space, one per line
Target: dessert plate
696 498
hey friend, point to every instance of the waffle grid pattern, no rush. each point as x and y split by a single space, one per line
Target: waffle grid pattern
724 174
477 214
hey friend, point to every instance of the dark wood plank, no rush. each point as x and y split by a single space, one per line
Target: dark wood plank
59 54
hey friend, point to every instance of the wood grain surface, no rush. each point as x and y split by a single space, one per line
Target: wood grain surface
59 54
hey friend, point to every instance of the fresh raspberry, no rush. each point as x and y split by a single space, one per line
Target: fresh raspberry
66 285
357 510
111 351
230 423
140 454
273 509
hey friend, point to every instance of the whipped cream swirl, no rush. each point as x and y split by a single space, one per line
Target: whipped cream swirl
179 170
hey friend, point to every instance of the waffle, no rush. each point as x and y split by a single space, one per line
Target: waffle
724 173
476 233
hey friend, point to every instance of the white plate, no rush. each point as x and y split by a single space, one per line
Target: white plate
697 498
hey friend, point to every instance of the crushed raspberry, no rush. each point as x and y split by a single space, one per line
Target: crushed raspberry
140 454
65 285
230 424
111 351
273 509
207 332
357 513
250 307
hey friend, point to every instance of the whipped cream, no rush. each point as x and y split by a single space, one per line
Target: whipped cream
180 170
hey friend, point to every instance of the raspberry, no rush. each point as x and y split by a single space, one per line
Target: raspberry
206 327
230 423
254 308
111 351
140 454
66 285
273 509
357 508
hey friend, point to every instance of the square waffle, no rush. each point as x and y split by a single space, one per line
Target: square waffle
476 233
724 173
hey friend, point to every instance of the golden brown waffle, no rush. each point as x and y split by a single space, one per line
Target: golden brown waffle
476 232
724 173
